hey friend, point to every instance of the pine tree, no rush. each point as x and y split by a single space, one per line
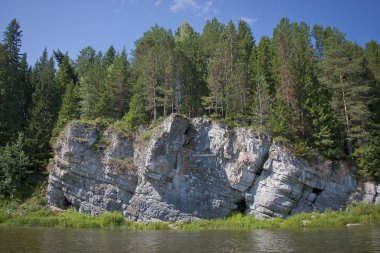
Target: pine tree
372 55
262 106
344 73
218 50
154 66
228 57
188 71
218 70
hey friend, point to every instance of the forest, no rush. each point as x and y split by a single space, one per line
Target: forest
307 87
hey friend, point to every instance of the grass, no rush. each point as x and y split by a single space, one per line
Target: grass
72 219
144 136
355 213
123 165
33 213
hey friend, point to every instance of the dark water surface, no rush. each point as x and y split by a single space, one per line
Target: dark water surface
357 239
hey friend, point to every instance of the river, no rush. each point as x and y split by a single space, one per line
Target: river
356 239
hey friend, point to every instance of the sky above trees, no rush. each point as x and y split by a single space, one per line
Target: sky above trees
73 24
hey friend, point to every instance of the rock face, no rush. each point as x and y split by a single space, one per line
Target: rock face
193 169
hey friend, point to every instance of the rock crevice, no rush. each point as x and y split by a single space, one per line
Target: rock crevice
190 169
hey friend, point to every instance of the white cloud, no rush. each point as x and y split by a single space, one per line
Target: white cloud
198 8
157 2
249 20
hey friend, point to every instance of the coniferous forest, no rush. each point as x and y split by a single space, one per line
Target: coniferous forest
308 87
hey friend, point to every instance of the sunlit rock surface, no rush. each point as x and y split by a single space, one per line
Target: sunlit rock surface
190 169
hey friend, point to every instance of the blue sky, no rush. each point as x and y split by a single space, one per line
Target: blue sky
73 24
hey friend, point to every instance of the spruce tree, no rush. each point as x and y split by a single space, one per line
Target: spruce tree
284 122
136 115
69 108
115 90
43 112
89 69
242 73
13 83
14 165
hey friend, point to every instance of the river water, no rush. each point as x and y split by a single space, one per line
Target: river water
356 239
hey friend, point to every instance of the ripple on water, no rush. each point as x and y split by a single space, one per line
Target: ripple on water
358 239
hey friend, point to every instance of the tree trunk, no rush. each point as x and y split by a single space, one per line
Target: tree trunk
347 120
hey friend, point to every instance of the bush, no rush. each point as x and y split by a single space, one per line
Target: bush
14 165
368 161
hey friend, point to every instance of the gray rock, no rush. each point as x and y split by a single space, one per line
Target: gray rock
186 170
377 200
353 225
370 188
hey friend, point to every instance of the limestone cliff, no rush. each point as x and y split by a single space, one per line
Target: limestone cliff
189 169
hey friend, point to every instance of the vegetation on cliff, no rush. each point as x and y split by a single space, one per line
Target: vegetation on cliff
308 86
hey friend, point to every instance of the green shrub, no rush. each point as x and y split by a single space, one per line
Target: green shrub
111 220
14 164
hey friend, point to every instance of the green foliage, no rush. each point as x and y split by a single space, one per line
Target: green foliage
136 115
189 66
345 73
69 109
368 160
115 88
309 88
154 63
14 165
262 107
302 150
15 87
43 111
144 136
89 69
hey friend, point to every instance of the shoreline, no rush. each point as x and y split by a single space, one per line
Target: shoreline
355 214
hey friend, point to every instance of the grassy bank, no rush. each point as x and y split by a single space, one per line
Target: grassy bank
32 213
356 213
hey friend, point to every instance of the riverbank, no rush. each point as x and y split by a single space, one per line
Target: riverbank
33 213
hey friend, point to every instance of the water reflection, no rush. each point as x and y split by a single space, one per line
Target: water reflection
361 239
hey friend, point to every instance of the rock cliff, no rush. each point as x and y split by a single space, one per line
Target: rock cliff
189 169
